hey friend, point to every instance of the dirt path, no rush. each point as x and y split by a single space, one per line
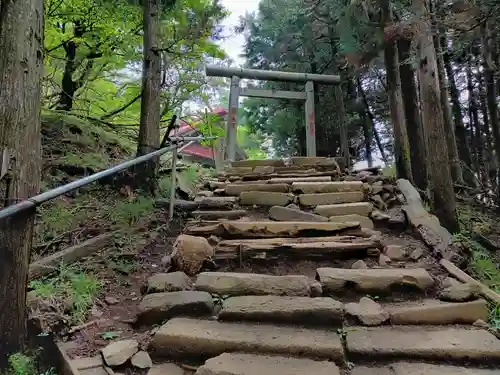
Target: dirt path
334 283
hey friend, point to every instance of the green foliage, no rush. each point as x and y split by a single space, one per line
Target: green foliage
126 212
21 364
70 284
483 264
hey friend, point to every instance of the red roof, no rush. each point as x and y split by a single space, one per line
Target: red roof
196 149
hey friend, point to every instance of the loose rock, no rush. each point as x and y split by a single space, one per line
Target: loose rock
384 260
460 293
166 369
481 324
369 312
167 282
111 300
141 360
190 252
395 252
119 352
416 254
359 264
379 216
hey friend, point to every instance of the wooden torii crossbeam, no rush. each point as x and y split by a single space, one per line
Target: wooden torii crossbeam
307 96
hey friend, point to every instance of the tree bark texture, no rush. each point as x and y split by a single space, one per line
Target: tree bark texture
21 67
441 186
464 151
401 144
412 116
491 103
454 161
149 128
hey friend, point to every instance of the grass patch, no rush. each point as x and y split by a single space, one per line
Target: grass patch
93 160
78 288
484 264
24 364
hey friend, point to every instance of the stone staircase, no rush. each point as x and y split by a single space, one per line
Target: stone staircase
386 309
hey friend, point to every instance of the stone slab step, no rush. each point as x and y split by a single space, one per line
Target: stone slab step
291 180
281 309
417 342
313 187
279 213
439 312
238 284
237 189
265 198
413 368
364 221
251 364
358 208
331 198
157 307
270 229
208 338
215 215
258 163
375 279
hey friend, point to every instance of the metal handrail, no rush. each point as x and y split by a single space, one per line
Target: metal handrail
37 200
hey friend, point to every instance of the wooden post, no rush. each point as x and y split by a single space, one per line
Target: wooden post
310 120
232 116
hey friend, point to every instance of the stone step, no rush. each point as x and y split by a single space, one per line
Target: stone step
237 189
269 229
364 221
422 343
238 284
279 213
358 208
158 307
281 309
251 364
313 187
208 338
413 368
438 312
215 215
258 163
331 198
265 198
291 180
373 280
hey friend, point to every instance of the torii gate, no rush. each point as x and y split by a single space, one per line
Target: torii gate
307 96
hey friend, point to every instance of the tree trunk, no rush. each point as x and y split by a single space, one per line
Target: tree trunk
149 128
491 103
441 186
489 162
412 116
371 118
460 131
456 170
21 67
474 123
401 144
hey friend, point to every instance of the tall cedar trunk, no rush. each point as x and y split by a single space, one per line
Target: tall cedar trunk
489 162
401 144
456 170
412 115
464 151
149 128
491 103
371 119
441 186
474 120
21 67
